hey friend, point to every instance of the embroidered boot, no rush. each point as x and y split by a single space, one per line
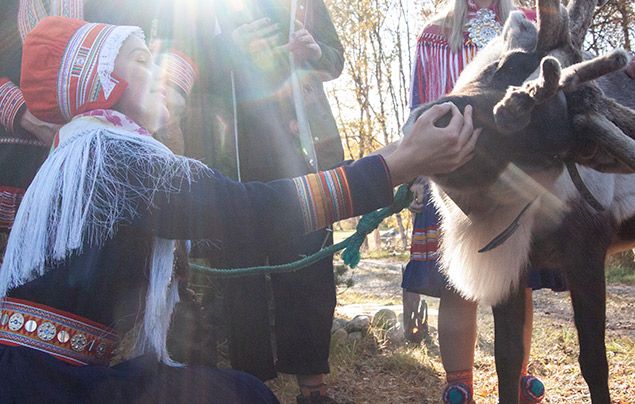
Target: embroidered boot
459 389
532 390
457 393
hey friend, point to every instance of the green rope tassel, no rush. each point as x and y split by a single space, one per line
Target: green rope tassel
352 244
370 222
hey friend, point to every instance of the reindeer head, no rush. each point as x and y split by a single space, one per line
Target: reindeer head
536 102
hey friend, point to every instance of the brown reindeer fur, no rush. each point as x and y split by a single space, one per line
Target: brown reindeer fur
539 108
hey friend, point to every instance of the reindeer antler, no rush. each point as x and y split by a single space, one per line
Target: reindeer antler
553 26
513 112
598 128
581 15
580 73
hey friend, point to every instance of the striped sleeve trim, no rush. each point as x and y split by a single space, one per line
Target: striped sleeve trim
324 197
11 100
10 199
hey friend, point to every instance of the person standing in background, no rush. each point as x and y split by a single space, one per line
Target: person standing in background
24 139
269 110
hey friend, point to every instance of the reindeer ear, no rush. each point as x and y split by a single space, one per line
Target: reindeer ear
519 33
580 73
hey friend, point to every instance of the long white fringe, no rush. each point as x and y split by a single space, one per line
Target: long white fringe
91 183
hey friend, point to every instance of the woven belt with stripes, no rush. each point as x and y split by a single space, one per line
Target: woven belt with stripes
66 336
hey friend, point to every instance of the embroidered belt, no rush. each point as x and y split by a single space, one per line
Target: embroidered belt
68 337
22 142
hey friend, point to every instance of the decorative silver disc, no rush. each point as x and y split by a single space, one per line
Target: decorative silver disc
78 342
4 320
30 326
63 336
101 350
16 321
483 27
46 331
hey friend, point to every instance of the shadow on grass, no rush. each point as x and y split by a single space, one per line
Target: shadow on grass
371 370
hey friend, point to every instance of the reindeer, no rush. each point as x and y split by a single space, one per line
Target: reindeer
551 182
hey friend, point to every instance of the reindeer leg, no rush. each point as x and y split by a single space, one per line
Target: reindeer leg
509 318
514 111
583 262
588 296
580 73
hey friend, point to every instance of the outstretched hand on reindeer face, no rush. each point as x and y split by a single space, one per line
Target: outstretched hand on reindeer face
430 149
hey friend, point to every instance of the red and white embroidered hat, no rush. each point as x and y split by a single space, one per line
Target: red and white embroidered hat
67 67
180 70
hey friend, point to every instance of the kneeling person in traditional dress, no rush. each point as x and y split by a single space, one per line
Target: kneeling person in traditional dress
92 246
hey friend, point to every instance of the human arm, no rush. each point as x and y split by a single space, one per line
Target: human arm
319 26
15 117
260 215
179 73
314 43
211 206
11 105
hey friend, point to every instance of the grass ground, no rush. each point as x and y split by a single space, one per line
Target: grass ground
376 371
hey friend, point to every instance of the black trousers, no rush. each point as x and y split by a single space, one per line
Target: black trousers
303 302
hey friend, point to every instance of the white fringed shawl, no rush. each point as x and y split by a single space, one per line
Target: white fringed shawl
79 197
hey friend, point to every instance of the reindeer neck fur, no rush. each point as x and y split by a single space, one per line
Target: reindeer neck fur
490 277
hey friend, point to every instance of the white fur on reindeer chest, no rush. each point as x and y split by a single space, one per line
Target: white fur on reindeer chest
489 277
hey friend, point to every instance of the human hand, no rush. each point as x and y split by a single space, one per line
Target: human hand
44 131
175 101
418 196
430 150
303 46
256 36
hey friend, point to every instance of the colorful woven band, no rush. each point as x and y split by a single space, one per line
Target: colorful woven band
85 75
66 336
180 70
325 198
11 101
425 244
31 12
10 199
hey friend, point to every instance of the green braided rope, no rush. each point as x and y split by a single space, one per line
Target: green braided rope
351 245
